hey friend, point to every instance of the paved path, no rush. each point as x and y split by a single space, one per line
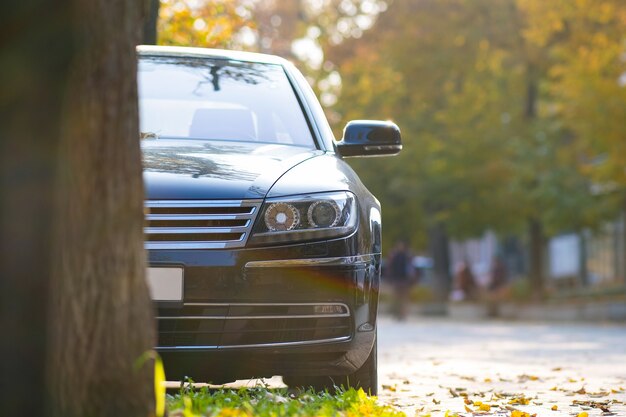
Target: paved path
431 366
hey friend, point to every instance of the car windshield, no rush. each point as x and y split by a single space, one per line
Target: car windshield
217 99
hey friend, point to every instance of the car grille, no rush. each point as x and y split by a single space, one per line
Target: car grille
196 224
209 325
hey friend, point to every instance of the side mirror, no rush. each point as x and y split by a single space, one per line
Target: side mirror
370 138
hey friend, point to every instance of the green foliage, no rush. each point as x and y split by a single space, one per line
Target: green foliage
263 402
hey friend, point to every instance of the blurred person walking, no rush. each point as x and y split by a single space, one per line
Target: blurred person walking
465 288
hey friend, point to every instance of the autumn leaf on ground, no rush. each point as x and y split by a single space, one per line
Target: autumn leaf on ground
524 378
484 407
521 400
554 408
604 406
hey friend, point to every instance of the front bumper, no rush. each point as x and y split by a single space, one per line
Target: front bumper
269 311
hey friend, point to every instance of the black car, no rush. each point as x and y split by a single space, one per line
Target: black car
264 246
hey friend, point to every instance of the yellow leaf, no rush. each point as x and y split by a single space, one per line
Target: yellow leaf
520 401
583 414
487 379
159 386
485 407
469 410
554 408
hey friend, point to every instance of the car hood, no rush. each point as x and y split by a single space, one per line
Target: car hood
205 170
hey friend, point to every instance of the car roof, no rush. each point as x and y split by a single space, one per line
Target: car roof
154 50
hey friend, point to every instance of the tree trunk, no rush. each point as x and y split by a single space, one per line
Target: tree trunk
100 317
440 250
150 24
35 51
536 241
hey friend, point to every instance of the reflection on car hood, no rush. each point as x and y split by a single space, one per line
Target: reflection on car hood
196 169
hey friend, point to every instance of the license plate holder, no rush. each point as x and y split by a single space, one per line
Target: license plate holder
166 284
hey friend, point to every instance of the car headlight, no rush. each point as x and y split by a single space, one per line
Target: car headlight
305 217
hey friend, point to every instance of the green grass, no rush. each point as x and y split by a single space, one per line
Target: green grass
263 402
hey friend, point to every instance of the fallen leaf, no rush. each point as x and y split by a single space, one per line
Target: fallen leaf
522 400
604 406
583 414
436 402
558 368
469 410
485 407
554 408
487 379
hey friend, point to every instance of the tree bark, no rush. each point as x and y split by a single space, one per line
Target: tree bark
35 51
536 245
100 316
